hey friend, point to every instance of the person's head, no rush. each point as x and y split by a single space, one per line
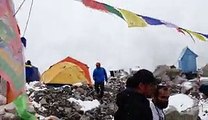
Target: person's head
97 65
161 96
143 81
28 62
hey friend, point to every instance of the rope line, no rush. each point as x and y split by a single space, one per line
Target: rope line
28 19
19 7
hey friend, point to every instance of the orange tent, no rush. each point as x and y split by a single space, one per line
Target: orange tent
83 66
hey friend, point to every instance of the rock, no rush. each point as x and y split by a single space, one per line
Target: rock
179 80
52 118
2 100
2 110
85 117
3 87
165 78
160 70
112 107
186 87
31 109
75 116
205 71
80 90
55 101
43 101
173 73
76 106
68 110
10 116
88 98
172 114
191 114
10 108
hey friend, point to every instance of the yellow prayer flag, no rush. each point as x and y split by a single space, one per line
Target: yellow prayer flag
200 37
132 19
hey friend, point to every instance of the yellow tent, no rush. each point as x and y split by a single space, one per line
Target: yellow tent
63 73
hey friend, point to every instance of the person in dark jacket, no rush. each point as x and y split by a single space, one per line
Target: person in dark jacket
32 72
28 71
99 77
132 102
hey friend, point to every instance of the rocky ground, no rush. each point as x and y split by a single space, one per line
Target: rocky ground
63 103
54 101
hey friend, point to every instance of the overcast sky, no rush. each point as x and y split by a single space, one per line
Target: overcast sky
61 28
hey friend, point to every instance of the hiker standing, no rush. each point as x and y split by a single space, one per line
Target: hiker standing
160 101
32 72
99 77
28 71
132 102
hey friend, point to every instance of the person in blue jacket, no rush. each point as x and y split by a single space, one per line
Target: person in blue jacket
99 77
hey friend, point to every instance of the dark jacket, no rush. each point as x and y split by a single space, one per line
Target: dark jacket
132 106
29 72
32 73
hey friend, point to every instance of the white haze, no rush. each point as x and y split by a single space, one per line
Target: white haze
61 28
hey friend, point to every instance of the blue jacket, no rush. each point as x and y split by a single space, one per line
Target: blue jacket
99 75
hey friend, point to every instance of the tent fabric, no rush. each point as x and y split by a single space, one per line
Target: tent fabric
83 66
64 73
187 61
185 51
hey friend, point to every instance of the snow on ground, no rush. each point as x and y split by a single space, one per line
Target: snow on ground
34 86
187 85
86 105
203 109
181 102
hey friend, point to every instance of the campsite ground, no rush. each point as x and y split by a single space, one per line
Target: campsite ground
81 102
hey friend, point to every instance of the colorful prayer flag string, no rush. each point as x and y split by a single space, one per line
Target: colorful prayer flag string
12 62
136 20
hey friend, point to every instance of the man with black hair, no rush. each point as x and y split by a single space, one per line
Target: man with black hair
160 101
132 102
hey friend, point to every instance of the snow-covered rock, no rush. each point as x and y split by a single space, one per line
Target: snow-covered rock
182 107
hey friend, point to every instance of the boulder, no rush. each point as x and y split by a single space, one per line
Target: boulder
185 108
160 70
173 114
3 87
52 118
205 70
10 108
2 100
10 116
